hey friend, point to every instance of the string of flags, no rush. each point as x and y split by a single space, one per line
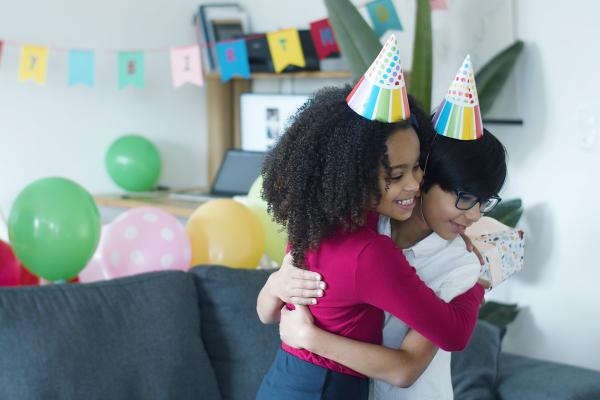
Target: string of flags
186 66
285 48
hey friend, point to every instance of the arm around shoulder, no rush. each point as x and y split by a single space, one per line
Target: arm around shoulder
385 280
399 367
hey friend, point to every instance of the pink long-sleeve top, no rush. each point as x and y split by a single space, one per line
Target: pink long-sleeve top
365 274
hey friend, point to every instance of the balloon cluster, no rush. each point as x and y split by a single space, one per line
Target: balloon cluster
55 232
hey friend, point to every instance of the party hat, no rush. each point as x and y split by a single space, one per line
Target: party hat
381 92
458 116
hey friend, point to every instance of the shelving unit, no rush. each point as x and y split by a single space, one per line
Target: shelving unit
223 108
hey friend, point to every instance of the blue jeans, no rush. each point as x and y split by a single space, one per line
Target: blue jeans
291 378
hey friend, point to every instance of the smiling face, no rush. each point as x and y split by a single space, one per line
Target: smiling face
442 216
400 186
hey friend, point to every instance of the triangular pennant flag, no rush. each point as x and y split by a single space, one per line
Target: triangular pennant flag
33 63
186 66
233 59
438 5
381 93
384 17
81 67
458 116
285 49
323 39
131 69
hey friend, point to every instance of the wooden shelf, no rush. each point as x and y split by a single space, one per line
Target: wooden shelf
287 75
178 208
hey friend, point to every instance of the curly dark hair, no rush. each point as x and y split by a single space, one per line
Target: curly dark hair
323 173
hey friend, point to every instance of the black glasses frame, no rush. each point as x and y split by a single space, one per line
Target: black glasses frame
482 207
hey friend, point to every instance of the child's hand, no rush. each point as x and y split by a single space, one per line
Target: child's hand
471 248
486 285
294 285
295 327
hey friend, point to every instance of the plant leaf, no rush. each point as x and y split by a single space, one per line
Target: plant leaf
421 71
499 314
493 75
357 41
508 212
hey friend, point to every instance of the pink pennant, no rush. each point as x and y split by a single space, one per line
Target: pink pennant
186 66
438 5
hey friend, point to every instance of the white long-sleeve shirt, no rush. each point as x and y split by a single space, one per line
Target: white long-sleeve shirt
448 269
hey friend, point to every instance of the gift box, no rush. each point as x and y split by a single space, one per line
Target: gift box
502 248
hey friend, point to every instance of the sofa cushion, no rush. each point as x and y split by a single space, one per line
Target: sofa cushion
524 378
475 370
240 347
131 338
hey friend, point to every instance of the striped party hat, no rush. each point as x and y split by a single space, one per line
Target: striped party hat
381 92
458 116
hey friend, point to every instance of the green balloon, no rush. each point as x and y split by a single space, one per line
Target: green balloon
54 228
275 234
133 163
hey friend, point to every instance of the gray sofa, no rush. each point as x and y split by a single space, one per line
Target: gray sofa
176 335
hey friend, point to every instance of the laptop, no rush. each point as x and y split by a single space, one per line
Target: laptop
237 172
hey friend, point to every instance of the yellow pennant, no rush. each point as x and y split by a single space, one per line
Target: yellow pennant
285 49
33 65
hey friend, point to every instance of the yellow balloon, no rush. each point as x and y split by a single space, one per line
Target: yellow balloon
226 232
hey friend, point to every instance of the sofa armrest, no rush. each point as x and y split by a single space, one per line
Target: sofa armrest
524 378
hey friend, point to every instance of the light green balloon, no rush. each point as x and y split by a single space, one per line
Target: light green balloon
275 234
133 163
54 228
255 193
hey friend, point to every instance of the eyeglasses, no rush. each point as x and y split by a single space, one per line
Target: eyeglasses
465 201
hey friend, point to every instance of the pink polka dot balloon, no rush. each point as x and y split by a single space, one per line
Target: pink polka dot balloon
95 270
145 239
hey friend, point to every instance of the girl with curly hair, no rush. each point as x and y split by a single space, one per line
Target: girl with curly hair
461 182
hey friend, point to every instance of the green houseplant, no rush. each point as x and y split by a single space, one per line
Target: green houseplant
360 45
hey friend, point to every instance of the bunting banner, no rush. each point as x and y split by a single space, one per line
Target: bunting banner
323 39
384 17
281 49
131 69
438 5
33 64
81 67
285 49
233 59
186 66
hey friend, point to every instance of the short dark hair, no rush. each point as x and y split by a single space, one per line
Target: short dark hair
474 166
323 173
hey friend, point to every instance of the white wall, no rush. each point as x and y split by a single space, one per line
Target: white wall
57 130
557 177
54 130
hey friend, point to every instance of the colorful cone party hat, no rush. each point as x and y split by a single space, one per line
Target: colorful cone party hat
381 92
458 116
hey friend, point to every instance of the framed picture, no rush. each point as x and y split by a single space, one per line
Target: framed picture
264 118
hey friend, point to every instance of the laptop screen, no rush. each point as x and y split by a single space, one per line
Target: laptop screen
239 169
